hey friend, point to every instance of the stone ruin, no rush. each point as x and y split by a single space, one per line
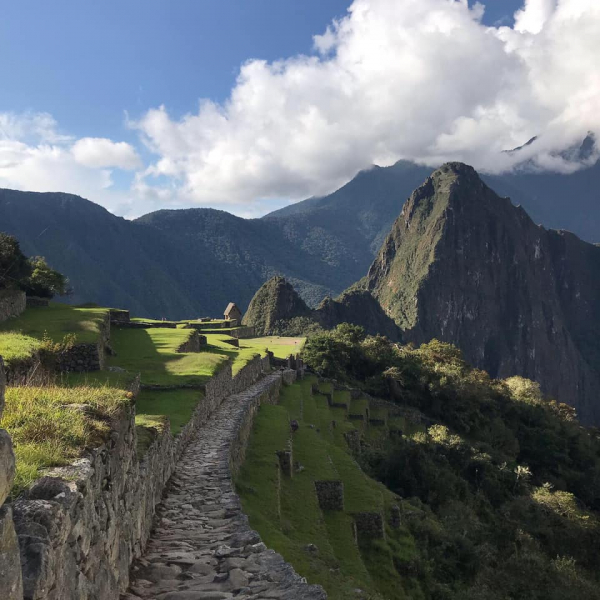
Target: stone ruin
368 526
330 494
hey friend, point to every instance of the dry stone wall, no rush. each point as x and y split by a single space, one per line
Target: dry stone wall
203 547
80 527
86 357
11 585
12 304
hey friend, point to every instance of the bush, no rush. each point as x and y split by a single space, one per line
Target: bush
14 267
44 281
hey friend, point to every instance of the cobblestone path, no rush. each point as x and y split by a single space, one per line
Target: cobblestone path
202 547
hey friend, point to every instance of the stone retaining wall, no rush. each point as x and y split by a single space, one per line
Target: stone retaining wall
194 343
11 586
12 303
86 357
119 316
243 332
36 302
80 528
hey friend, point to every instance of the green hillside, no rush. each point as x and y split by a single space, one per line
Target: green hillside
321 543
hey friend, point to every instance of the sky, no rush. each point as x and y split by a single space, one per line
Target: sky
247 105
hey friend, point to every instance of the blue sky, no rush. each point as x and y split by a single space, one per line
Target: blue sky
83 68
87 61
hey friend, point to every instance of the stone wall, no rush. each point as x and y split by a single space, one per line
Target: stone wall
245 420
12 303
119 316
86 357
80 527
11 586
330 494
194 343
243 332
36 302
369 526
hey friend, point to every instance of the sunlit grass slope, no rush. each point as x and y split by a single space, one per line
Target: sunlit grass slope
286 513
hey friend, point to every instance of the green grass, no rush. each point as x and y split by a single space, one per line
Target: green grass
153 353
286 513
47 433
17 346
281 347
57 321
147 428
177 405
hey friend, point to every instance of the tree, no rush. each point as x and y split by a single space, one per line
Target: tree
44 281
14 267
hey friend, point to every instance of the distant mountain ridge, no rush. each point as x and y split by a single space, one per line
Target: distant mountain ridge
196 260
464 265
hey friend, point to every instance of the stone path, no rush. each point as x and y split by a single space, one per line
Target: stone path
202 547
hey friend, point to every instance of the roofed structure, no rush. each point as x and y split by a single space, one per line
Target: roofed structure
232 312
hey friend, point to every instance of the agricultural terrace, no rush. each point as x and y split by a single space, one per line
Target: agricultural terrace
53 425
285 510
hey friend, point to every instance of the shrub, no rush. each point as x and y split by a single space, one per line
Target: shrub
44 281
14 267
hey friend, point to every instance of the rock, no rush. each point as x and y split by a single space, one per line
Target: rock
11 584
7 465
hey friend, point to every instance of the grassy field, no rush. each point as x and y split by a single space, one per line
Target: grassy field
177 405
47 432
56 321
286 512
16 346
153 353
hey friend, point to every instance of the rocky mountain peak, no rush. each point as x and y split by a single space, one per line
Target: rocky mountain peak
464 265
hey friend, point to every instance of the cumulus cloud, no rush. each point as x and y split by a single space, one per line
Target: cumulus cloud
424 80
416 79
35 155
100 153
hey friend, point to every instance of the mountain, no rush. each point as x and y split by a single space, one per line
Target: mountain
462 264
195 261
276 308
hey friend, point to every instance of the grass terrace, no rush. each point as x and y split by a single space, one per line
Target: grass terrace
52 426
153 353
286 512
20 337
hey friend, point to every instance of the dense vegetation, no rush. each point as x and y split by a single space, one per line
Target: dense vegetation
32 275
503 487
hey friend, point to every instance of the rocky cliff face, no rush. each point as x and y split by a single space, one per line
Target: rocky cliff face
463 265
276 303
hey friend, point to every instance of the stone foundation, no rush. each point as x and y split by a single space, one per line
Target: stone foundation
368 526
243 332
12 304
330 494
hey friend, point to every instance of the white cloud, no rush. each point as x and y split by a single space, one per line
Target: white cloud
100 153
416 79
36 156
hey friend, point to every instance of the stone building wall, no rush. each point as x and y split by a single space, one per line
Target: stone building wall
11 586
80 528
12 303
